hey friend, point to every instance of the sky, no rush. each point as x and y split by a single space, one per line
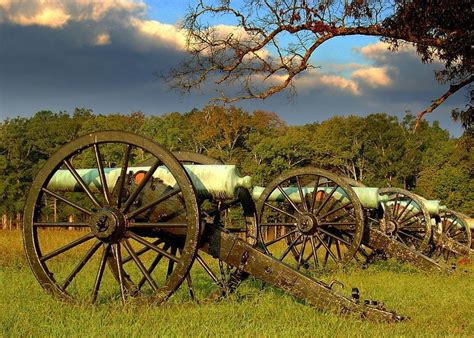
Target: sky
104 55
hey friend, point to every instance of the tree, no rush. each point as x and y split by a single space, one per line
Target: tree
272 40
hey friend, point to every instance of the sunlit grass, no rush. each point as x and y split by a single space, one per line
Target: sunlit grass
437 304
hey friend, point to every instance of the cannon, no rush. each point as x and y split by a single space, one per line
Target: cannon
139 228
322 221
451 235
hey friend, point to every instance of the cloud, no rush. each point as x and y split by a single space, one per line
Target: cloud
102 39
380 51
56 14
314 80
166 34
52 15
373 76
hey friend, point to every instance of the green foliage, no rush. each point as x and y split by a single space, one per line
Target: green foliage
378 149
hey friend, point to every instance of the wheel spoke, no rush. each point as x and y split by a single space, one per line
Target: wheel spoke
405 207
340 239
458 233
61 224
405 220
100 167
396 205
401 239
315 193
314 250
283 192
273 241
153 265
409 235
140 265
209 271
123 175
280 210
343 226
278 224
338 250
81 264
335 210
189 282
156 225
300 257
302 197
326 199
410 225
100 273
118 261
141 251
67 247
171 262
155 202
81 182
65 200
151 246
448 228
328 249
140 187
287 250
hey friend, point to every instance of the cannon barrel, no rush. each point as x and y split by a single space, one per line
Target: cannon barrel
369 197
434 207
218 181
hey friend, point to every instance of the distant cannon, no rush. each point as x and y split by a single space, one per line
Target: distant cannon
347 223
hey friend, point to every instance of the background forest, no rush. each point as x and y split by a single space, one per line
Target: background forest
378 149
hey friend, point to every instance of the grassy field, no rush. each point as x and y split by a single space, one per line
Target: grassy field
437 304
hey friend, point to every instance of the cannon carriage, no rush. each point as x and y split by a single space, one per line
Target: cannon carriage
143 227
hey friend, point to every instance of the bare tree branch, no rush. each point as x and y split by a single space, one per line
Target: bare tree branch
436 103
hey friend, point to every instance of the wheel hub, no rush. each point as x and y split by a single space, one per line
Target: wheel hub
108 224
389 226
307 223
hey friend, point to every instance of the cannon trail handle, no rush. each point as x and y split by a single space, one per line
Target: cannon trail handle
376 239
234 251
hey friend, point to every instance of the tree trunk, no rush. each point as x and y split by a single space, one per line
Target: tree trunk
4 221
18 220
55 210
70 219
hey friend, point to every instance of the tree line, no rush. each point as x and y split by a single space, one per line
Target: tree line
379 149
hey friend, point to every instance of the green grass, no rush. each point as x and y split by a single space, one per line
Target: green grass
437 304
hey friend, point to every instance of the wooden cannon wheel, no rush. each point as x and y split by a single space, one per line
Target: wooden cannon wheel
320 226
453 225
406 219
109 222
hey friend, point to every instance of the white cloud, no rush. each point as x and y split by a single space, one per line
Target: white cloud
379 51
341 83
56 14
47 16
168 34
314 80
97 10
373 76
